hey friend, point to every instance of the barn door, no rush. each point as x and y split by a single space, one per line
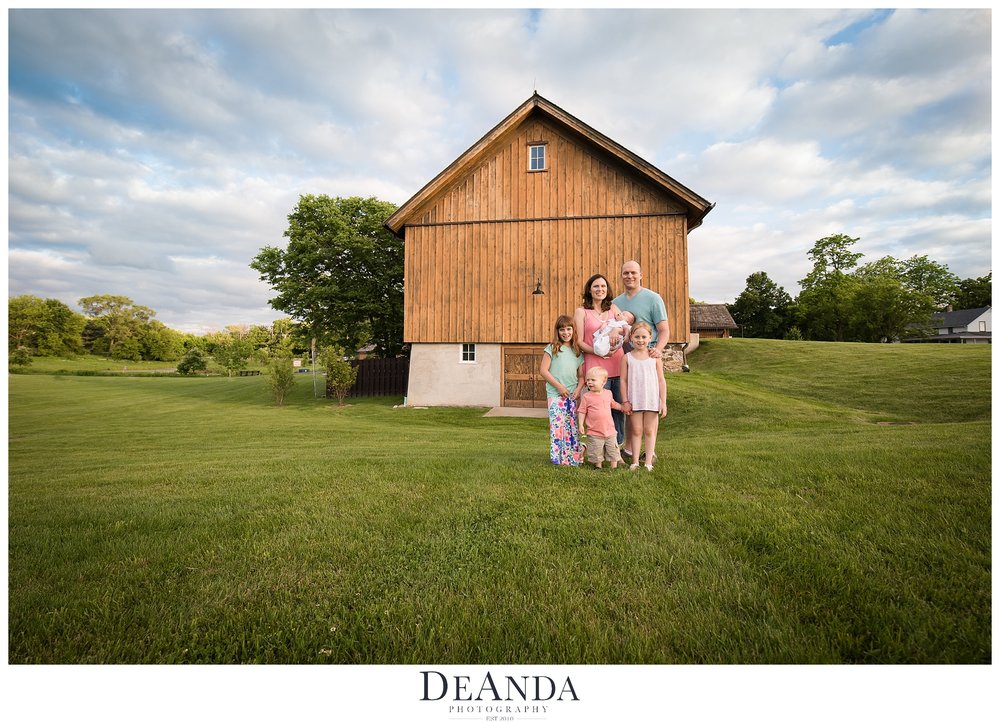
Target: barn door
523 385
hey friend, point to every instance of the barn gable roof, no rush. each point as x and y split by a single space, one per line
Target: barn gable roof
695 206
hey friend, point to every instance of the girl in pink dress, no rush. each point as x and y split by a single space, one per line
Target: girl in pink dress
645 392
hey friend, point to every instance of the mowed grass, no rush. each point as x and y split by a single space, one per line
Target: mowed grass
89 364
170 520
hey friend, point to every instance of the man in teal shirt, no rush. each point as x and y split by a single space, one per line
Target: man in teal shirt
645 305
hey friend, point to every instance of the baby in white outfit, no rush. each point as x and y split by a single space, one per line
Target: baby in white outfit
613 333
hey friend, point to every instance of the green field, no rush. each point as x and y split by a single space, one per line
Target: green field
813 503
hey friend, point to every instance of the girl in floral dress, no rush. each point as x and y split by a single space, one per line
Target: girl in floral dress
562 369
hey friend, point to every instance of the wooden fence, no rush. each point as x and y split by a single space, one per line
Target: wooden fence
379 377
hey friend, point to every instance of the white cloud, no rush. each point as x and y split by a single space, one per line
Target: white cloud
763 169
153 153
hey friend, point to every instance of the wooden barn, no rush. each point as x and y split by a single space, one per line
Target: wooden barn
500 243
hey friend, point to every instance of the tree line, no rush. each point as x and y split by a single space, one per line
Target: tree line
840 300
341 280
117 327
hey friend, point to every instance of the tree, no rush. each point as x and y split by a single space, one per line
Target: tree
47 327
921 275
281 337
340 374
120 319
341 274
762 309
232 351
974 292
160 343
885 301
831 256
275 340
25 315
61 335
128 349
258 338
823 304
93 337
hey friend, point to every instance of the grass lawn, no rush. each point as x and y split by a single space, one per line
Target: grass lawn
92 365
813 503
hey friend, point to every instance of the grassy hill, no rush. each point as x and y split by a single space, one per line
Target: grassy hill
915 382
819 503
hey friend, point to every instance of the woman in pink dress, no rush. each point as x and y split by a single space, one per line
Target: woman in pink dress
588 318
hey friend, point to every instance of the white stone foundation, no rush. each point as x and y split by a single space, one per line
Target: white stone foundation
439 377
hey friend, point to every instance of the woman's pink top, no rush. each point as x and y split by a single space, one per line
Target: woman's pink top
613 363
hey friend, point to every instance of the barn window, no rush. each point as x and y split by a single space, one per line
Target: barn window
536 156
468 353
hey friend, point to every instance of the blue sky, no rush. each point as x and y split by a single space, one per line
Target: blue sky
153 153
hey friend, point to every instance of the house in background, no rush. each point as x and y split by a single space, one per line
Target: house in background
973 325
500 243
711 320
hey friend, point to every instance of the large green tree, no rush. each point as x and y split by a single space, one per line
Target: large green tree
887 300
46 326
341 274
824 302
762 309
921 275
120 320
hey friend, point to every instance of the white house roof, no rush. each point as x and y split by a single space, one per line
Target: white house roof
957 319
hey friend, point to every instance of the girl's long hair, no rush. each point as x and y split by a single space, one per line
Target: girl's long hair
588 297
557 343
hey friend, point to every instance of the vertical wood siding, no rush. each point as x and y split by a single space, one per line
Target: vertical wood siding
475 251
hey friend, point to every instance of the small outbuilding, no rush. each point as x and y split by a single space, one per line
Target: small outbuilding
500 243
711 320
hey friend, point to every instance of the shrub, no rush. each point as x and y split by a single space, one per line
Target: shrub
280 377
793 334
340 374
194 360
21 356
